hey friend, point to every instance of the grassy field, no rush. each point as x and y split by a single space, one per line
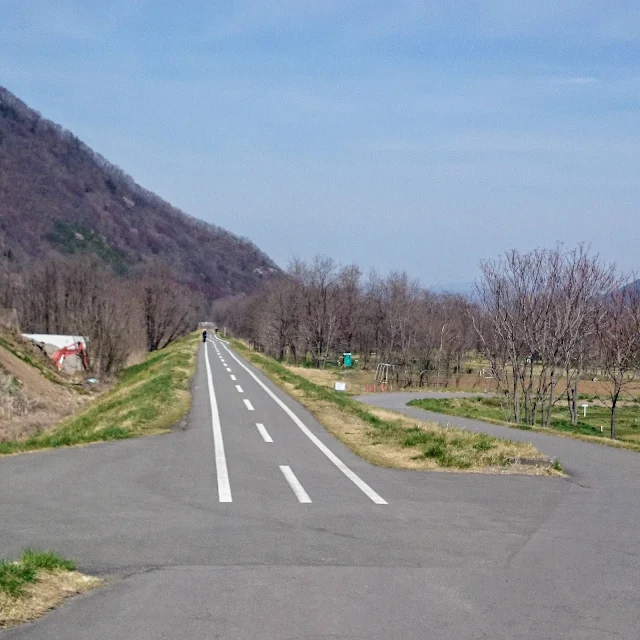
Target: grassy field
490 409
148 398
37 582
393 440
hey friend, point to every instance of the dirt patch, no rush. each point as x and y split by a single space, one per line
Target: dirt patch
52 588
32 380
47 402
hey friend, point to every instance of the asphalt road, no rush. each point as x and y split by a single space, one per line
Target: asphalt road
298 538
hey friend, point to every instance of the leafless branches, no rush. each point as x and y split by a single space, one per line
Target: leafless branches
548 314
542 319
79 297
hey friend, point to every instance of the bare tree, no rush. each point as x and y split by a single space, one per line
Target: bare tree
319 282
587 285
80 297
618 332
276 318
168 308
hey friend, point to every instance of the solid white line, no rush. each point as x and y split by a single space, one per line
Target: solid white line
224 488
301 494
359 482
239 388
263 432
249 405
233 377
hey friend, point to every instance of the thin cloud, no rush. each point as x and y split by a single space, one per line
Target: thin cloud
577 80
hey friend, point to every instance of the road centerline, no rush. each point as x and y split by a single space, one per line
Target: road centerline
248 404
239 389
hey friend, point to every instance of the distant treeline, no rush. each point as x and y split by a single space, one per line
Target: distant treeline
541 320
119 317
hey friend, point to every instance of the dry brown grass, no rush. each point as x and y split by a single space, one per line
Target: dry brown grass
52 588
149 398
29 401
358 379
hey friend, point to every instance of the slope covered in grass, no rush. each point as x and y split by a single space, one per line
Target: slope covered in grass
148 398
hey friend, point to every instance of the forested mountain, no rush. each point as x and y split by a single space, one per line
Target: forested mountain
58 196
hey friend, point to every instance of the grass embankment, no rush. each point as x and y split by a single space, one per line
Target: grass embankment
489 409
392 440
148 399
37 582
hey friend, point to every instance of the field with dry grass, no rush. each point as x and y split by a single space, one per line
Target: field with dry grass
358 380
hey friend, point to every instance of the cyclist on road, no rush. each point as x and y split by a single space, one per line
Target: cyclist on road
204 336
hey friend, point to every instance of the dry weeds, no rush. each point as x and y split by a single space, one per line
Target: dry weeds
52 588
29 402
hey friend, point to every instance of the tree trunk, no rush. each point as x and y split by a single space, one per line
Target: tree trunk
614 402
552 389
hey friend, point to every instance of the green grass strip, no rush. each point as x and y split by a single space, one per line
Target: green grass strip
15 576
488 409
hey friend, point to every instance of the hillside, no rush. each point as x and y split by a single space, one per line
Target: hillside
57 195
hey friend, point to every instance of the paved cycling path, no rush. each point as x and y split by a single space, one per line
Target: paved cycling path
251 521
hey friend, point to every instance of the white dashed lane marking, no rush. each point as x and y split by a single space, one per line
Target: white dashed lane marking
301 494
356 479
263 432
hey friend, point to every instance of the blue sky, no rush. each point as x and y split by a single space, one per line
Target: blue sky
412 135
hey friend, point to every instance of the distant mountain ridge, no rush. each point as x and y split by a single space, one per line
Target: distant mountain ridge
58 196
633 286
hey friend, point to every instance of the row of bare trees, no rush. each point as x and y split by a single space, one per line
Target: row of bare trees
320 310
119 318
543 320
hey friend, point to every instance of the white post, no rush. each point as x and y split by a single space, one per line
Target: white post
584 410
